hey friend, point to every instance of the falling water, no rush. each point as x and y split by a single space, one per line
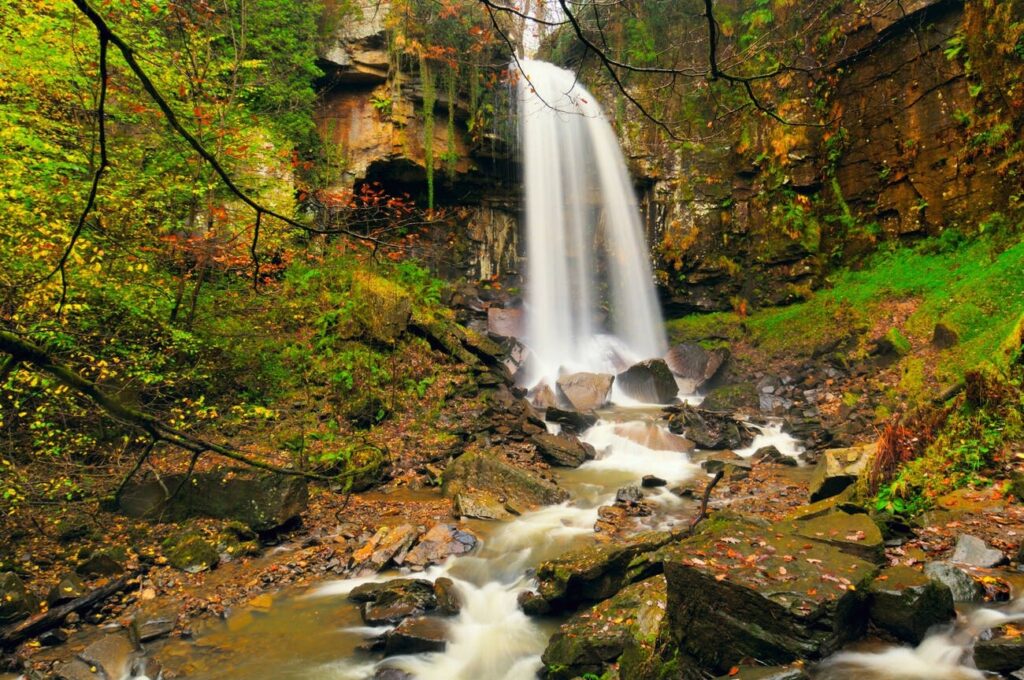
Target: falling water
581 219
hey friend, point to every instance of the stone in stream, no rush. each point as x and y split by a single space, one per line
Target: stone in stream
543 397
505 322
585 391
772 455
153 624
563 451
416 635
694 365
16 601
649 381
651 482
1000 654
709 430
532 603
573 421
743 589
653 436
595 572
906 603
974 552
389 542
392 601
68 588
112 656
628 631
961 585
720 460
437 545
838 469
483 485
448 602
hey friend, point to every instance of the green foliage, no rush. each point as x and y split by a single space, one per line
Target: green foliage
970 448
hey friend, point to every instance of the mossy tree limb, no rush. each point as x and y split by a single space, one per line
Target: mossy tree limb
26 352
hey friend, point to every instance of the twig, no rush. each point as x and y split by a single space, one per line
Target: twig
702 515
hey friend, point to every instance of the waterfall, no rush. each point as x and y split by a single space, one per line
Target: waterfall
585 242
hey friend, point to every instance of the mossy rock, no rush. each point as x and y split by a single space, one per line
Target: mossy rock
732 398
16 601
592 573
192 553
742 590
383 308
484 477
627 629
906 603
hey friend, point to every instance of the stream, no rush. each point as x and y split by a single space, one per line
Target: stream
315 633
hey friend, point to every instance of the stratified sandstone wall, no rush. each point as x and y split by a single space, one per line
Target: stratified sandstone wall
921 139
372 119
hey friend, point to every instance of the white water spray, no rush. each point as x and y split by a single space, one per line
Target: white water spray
581 218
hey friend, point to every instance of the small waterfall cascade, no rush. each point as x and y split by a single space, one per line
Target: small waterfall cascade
585 242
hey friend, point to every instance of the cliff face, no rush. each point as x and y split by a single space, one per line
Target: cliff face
924 107
372 119
921 108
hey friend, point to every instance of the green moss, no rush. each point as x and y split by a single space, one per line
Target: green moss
898 341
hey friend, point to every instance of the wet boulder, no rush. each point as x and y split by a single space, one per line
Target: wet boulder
960 584
694 365
724 461
438 544
585 391
416 635
505 322
626 630
653 436
649 381
484 485
745 589
265 501
543 397
1000 654
112 656
839 468
16 601
152 624
771 454
392 601
709 430
971 551
532 603
906 603
563 451
572 421
595 572
448 601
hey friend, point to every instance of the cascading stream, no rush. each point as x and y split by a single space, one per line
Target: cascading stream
585 241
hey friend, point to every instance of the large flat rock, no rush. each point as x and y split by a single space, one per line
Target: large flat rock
743 589
484 485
